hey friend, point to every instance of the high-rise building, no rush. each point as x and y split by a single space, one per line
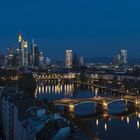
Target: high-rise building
19 38
81 59
41 59
68 61
34 54
117 59
10 55
24 53
19 52
120 58
123 54
17 58
2 59
48 61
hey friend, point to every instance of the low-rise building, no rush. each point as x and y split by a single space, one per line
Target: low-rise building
25 117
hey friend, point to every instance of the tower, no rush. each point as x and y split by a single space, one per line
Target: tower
75 62
19 37
24 53
34 54
68 61
123 53
19 52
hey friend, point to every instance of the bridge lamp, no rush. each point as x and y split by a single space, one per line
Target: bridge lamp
104 103
122 99
71 107
136 101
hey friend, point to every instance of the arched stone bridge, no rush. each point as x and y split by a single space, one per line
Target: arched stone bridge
102 101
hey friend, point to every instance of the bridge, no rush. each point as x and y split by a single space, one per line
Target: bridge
53 76
103 102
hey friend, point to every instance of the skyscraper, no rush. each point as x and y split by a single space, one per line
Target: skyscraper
24 53
19 53
120 58
34 54
19 38
68 61
123 54
2 59
81 59
10 55
41 59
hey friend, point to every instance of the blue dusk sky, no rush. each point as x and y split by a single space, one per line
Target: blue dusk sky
89 27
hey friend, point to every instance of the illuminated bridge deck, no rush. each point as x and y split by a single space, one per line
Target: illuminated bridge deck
99 100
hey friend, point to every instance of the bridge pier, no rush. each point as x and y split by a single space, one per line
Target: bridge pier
105 105
71 108
137 105
102 107
131 104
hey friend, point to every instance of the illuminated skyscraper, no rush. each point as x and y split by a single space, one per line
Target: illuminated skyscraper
24 53
20 38
19 52
34 54
68 61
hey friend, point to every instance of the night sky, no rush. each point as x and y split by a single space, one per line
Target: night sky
89 27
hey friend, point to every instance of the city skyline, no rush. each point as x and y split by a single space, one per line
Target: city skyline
69 70
100 28
20 37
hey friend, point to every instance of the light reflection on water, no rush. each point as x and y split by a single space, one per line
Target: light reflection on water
107 128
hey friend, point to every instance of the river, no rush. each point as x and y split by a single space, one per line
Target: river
115 126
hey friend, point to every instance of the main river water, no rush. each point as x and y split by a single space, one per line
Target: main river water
116 126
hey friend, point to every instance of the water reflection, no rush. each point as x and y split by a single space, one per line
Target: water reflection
138 124
127 120
67 89
105 127
97 122
114 125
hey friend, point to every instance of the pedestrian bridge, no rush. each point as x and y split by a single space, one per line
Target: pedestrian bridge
99 101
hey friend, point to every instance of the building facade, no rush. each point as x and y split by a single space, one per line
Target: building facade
123 54
34 54
24 53
68 61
